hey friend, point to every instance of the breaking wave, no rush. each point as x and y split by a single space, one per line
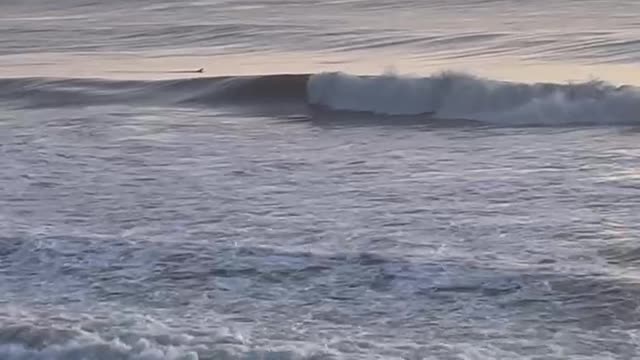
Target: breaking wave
461 96
442 96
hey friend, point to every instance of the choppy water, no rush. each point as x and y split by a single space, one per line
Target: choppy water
278 206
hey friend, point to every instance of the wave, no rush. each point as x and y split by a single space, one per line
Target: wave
445 96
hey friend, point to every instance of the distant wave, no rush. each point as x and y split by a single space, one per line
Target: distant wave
443 96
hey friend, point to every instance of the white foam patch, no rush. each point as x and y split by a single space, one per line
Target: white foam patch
96 350
461 96
144 350
145 339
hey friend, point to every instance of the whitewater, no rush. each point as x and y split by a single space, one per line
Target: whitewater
349 179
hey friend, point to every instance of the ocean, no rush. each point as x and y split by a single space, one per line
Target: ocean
346 179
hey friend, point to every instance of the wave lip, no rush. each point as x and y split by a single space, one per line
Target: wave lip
462 96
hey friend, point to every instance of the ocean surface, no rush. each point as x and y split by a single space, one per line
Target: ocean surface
346 179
